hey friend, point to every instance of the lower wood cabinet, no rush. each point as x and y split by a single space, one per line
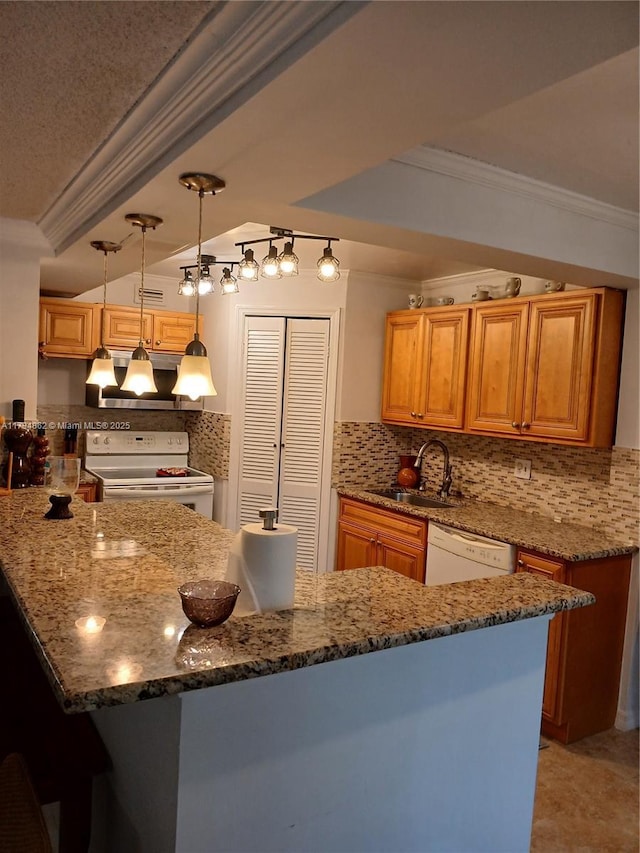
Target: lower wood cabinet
88 492
372 536
584 651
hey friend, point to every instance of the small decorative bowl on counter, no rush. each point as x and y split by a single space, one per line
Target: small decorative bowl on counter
208 602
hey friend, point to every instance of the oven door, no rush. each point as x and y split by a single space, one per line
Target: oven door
198 498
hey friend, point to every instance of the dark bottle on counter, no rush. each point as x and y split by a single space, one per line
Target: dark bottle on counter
39 457
17 408
17 439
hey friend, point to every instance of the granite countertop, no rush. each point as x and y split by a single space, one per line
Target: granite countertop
571 542
86 478
123 562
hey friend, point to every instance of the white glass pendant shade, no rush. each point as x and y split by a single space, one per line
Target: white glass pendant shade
270 267
328 266
139 378
248 268
194 378
228 283
102 373
288 261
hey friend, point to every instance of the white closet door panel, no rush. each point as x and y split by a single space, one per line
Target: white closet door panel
303 425
263 363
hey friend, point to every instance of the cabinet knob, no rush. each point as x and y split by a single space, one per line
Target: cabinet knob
526 425
521 563
515 425
372 540
420 415
158 343
413 415
147 340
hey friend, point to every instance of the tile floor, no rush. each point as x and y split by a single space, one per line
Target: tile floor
587 796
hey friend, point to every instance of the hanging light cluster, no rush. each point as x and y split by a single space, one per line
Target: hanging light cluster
194 374
274 265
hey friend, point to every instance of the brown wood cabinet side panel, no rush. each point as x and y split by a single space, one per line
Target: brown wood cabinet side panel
445 368
496 368
402 527
606 374
552 699
560 367
595 641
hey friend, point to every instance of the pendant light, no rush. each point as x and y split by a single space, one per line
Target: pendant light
194 374
139 378
102 373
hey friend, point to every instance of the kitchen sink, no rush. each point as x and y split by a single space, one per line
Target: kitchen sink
409 498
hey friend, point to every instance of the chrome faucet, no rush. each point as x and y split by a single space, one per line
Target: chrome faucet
446 471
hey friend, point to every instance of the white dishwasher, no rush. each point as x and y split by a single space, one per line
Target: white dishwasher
453 555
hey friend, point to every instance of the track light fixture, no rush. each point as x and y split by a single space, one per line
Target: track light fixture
273 265
102 372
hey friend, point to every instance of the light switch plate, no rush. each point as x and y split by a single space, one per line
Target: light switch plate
523 469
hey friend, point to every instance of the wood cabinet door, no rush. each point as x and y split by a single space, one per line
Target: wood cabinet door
67 329
442 397
496 371
553 677
402 367
560 357
405 559
172 332
356 547
122 327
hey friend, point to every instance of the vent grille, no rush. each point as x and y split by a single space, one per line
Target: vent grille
152 296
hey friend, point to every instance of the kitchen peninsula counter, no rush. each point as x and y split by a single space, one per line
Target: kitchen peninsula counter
123 563
572 542
403 749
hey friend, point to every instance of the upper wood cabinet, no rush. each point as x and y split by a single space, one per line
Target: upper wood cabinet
546 368
67 328
425 367
122 327
72 329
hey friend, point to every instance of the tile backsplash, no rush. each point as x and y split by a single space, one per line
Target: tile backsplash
209 440
593 487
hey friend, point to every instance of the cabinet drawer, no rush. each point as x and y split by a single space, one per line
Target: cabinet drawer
403 527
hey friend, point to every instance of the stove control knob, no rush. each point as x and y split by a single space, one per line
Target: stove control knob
170 441
96 440
179 440
107 440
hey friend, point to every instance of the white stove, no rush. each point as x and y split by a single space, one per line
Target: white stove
147 465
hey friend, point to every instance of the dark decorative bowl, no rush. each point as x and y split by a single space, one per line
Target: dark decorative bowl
208 602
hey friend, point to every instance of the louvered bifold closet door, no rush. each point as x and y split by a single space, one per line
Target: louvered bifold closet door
263 348
303 428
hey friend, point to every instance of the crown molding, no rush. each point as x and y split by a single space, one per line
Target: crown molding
486 276
483 174
237 50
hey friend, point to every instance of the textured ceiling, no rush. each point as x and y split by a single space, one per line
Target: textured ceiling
70 72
